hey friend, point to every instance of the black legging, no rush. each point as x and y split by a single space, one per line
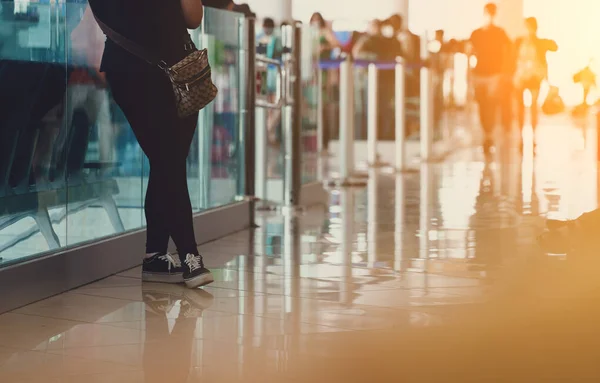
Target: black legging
147 100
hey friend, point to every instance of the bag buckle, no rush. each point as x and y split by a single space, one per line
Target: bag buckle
164 66
189 46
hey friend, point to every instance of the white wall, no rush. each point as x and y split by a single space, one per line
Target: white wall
575 27
457 17
279 10
351 12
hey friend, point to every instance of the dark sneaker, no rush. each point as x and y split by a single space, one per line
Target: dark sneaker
194 273
163 268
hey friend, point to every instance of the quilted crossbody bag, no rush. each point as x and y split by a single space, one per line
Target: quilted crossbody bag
190 77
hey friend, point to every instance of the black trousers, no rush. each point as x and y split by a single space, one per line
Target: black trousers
146 98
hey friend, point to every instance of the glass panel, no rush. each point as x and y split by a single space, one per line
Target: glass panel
103 162
216 163
270 120
32 86
310 61
71 170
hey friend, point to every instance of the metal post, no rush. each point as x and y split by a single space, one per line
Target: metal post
292 114
249 114
426 102
426 114
372 116
346 120
400 116
347 175
321 145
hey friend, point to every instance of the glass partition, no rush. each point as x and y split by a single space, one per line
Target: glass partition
71 170
309 83
216 163
269 120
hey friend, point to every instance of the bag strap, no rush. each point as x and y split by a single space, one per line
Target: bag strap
130 46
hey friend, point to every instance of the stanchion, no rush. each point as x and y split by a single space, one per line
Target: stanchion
400 116
292 116
347 176
426 130
373 158
346 120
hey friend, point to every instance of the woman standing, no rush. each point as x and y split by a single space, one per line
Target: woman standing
327 40
531 69
145 95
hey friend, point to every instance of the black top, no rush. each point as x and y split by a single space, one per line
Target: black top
492 46
156 25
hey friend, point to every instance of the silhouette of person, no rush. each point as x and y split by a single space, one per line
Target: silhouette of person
531 68
491 46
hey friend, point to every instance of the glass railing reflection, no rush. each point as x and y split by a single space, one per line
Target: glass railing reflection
71 170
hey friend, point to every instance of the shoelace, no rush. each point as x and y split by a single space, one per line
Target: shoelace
170 260
194 262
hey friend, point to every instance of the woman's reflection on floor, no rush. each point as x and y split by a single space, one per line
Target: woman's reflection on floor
493 226
172 313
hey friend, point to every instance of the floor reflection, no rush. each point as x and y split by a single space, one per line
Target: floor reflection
426 276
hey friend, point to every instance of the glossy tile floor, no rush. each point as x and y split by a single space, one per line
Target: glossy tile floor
428 276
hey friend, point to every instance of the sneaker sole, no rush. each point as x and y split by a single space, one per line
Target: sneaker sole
200 280
162 278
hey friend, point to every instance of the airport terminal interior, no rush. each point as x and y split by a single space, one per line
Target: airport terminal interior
359 223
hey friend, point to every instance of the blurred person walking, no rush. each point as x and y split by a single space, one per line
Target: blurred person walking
370 45
327 40
491 46
270 44
145 94
531 69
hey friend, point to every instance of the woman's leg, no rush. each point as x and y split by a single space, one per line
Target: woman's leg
157 231
147 101
170 193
